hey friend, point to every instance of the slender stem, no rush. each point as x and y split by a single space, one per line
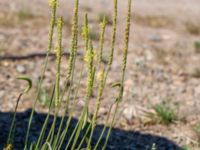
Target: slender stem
70 114
40 139
52 23
124 61
13 120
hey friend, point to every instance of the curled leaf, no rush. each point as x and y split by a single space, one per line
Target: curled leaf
29 83
49 145
118 84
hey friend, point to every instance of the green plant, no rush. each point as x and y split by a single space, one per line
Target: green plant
108 18
186 148
165 113
9 144
197 131
55 140
196 73
197 46
153 147
44 97
24 14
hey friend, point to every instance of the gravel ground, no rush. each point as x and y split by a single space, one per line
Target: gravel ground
163 66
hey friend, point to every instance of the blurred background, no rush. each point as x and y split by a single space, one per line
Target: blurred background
163 63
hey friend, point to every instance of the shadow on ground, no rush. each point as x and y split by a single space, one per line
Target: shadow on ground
119 139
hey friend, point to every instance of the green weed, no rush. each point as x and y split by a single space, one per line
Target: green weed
44 98
165 113
197 46
24 14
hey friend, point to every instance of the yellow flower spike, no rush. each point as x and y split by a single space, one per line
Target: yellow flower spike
101 39
95 54
100 93
74 41
85 32
52 3
97 106
58 61
114 28
124 61
90 68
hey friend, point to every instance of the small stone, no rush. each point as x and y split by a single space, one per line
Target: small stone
149 55
20 69
102 111
2 93
155 38
129 112
140 62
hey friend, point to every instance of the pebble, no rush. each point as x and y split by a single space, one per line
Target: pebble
2 93
140 62
129 112
149 55
155 38
102 111
21 69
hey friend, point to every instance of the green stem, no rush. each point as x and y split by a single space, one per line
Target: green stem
52 23
11 132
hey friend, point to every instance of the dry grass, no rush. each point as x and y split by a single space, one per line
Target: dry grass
6 20
196 73
25 14
192 27
13 19
87 8
160 55
155 21
2 49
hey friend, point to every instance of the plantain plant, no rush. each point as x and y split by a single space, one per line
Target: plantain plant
97 73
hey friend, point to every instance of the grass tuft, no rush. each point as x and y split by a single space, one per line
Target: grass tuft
165 113
154 21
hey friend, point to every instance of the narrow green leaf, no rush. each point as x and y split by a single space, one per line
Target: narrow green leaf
118 84
28 88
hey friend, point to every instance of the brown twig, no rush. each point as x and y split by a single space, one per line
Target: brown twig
36 55
31 56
